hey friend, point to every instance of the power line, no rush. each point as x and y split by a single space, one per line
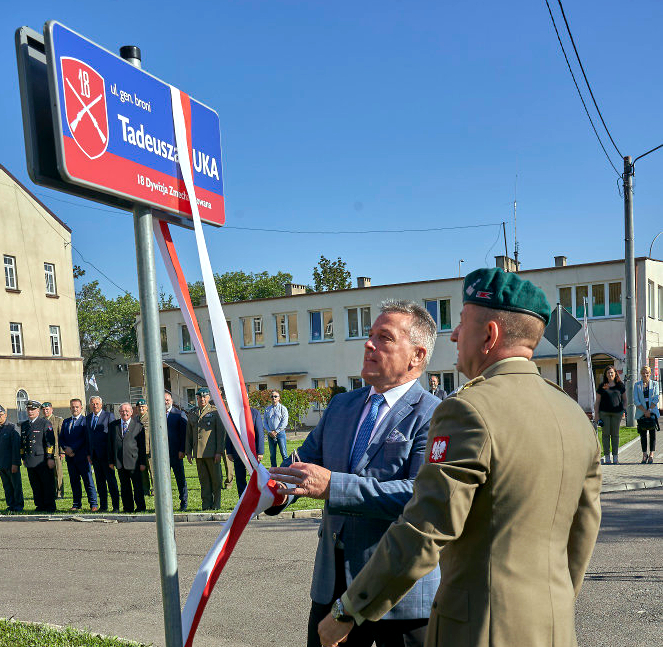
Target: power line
584 105
363 231
589 87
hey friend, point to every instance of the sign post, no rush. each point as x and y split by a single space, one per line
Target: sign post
163 498
98 126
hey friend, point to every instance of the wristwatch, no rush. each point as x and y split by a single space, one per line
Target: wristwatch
338 612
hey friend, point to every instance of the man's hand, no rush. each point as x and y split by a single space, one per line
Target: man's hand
50 463
217 458
309 480
14 469
180 455
231 458
259 457
188 457
142 468
332 632
89 459
69 452
111 466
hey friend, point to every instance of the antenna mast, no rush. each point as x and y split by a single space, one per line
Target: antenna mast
515 225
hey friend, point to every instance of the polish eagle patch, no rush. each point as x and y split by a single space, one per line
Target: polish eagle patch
438 450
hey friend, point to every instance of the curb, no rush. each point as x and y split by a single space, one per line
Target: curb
193 517
633 485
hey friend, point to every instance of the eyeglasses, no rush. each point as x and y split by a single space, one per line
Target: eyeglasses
275 397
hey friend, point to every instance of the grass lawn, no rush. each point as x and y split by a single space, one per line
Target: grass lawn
228 497
19 634
626 434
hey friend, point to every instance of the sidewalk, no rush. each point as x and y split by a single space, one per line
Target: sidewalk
630 474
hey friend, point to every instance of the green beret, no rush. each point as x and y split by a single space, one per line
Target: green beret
46 404
141 402
202 391
495 288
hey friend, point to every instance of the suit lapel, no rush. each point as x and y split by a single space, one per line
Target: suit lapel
400 410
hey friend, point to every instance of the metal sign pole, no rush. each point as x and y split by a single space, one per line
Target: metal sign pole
163 500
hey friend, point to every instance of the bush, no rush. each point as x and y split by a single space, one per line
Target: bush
297 401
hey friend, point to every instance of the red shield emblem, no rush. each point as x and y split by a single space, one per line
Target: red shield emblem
438 450
85 106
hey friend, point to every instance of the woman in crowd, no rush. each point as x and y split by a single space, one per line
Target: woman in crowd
611 405
645 397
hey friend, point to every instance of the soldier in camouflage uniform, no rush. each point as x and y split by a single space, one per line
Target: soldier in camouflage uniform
144 418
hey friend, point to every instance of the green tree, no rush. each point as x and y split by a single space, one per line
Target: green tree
331 275
106 326
242 286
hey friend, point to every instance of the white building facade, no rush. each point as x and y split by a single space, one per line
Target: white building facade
313 340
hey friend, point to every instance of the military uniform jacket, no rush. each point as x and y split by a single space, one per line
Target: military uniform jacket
145 421
205 433
56 423
510 491
37 442
10 446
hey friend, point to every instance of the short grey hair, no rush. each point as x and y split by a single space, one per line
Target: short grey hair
127 403
423 331
96 397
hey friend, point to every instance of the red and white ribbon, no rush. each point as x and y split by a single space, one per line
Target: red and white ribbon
260 492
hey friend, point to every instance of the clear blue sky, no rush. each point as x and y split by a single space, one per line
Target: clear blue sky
390 114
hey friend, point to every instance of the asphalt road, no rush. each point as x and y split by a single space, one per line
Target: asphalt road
105 577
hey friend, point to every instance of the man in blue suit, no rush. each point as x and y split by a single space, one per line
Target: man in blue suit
75 442
176 422
240 470
97 423
362 459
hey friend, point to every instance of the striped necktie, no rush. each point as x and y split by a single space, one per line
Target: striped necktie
364 433
124 428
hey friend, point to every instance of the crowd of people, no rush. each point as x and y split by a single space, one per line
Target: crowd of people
99 450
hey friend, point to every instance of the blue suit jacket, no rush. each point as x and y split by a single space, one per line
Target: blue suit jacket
363 504
77 438
99 435
176 422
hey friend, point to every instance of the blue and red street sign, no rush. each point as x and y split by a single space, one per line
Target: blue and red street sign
114 130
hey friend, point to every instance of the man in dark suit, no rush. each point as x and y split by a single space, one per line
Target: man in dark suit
240 469
126 452
362 459
435 387
10 463
98 421
75 443
37 447
176 423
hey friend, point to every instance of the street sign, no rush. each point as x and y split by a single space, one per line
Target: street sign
114 131
569 328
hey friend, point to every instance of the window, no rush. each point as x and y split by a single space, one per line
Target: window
252 334
56 348
49 274
597 294
164 339
16 332
448 382
651 302
660 302
320 383
262 387
355 383
21 405
10 273
185 340
359 322
288 385
440 310
322 325
286 328
190 395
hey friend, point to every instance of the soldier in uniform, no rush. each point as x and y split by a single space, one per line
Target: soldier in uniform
10 463
206 441
56 422
507 501
37 449
143 417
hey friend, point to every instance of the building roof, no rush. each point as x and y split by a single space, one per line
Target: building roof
395 285
34 197
186 372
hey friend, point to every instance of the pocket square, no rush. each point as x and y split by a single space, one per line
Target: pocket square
395 436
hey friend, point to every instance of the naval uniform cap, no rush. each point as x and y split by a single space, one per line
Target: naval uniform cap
494 288
33 404
2 409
